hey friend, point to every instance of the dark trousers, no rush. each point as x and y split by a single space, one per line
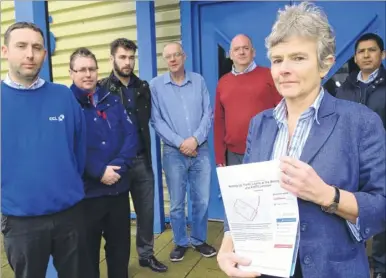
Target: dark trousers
379 252
142 194
108 216
234 158
29 242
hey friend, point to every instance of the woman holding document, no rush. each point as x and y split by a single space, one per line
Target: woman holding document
332 153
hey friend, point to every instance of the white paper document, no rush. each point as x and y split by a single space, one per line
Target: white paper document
263 218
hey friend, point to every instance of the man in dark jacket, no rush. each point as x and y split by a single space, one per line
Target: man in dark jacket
368 86
111 148
135 96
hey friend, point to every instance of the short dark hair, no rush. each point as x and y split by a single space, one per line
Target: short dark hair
368 37
82 52
124 43
21 25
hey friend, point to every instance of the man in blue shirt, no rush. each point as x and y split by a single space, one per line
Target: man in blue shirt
43 147
182 117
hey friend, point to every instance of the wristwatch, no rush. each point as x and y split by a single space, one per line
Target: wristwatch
334 205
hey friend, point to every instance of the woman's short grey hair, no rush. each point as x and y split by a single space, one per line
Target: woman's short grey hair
306 20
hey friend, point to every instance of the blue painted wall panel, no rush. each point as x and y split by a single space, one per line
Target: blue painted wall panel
147 58
37 12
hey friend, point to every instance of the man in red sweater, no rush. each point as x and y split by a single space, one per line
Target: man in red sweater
241 94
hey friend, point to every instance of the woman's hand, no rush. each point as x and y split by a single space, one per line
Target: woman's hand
228 260
300 179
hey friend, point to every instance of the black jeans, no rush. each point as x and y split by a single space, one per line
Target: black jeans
379 252
29 242
142 194
108 216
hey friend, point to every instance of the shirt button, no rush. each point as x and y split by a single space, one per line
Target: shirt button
103 142
303 227
367 231
108 104
307 259
129 113
95 119
137 110
129 100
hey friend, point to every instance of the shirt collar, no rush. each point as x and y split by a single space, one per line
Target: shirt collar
250 68
280 112
85 97
371 78
168 79
117 81
35 85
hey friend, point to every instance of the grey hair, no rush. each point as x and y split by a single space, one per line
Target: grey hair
306 20
175 43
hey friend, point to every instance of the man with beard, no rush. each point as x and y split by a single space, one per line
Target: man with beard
43 148
135 96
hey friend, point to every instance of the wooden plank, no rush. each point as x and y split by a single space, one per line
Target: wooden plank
7 5
57 6
91 11
7 17
74 28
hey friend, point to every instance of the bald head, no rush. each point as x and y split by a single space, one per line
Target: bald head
241 39
241 52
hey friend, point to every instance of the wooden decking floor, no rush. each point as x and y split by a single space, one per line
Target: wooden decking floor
193 265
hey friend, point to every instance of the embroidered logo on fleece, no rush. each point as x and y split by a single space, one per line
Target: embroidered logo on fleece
60 118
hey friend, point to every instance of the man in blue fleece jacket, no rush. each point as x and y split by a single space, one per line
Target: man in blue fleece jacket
111 147
43 145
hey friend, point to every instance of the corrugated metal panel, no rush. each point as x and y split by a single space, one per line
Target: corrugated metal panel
7 12
94 24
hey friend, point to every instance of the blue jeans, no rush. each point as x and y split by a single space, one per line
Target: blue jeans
179 171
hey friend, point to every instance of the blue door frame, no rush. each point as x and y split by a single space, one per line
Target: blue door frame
371 18
190 31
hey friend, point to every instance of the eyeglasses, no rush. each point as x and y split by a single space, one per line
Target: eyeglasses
174 55
84 70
